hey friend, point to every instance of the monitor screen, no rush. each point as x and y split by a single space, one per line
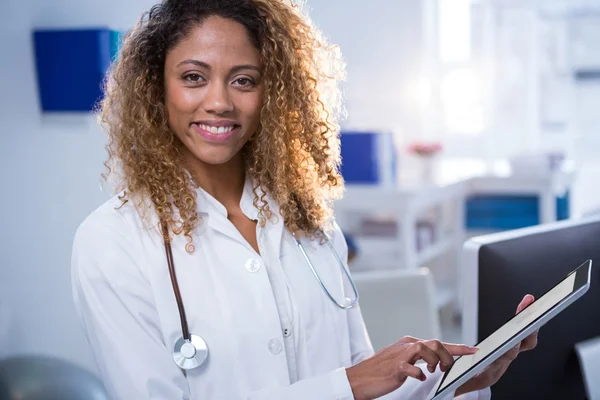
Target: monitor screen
532 263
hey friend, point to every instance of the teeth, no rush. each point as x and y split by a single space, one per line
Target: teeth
217 130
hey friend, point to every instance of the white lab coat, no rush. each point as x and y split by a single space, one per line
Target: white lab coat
125 300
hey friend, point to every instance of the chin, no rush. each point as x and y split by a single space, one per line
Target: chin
215 157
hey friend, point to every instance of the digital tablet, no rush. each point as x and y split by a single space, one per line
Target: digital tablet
516 329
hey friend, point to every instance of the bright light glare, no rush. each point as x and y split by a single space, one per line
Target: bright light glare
454 30
420 91
461 95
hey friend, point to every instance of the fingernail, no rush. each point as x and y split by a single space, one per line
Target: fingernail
474 349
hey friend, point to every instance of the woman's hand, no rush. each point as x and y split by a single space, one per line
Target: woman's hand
495 371
390 367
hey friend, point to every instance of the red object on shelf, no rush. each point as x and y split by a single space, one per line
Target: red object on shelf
425 148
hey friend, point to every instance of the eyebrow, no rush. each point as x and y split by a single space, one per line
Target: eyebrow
202 64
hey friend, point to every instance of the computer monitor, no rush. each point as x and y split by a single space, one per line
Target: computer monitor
499 269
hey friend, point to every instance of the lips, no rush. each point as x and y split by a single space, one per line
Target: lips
216 131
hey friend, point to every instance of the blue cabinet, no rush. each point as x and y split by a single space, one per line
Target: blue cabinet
71 65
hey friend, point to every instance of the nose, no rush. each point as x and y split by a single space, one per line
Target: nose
217 99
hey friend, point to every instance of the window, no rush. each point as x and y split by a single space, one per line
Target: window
460 84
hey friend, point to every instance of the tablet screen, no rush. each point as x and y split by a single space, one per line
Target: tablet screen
519 322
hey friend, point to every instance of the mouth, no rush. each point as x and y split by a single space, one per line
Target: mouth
216 131
221 129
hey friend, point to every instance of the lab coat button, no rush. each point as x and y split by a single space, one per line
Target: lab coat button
275 346
252 265
287 332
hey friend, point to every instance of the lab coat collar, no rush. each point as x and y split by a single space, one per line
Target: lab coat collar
207 204
247 200
214 214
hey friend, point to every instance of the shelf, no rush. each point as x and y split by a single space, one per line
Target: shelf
383 253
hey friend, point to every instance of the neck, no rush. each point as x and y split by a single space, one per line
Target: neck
224 182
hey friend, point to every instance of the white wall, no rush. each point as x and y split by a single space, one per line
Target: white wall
49 167
381 42
50 178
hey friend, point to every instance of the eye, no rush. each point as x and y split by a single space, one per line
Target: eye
195 78
243 82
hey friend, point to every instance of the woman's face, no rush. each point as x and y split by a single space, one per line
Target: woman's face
214 90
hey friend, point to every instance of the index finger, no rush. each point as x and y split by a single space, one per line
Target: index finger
460 349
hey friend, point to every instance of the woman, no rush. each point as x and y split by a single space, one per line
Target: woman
221 118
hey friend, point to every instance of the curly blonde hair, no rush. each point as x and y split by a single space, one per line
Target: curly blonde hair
295 154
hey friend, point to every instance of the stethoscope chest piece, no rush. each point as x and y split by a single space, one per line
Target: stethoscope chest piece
191 353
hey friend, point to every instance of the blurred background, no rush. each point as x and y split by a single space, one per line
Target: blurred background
465 118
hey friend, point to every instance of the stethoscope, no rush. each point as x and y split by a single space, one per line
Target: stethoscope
190 351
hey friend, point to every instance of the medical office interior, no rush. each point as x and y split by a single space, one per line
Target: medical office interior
470 146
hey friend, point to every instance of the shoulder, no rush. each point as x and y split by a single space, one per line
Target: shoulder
109 242
109 261
114 216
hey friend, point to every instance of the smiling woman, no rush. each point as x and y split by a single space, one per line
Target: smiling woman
197 281
195 80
